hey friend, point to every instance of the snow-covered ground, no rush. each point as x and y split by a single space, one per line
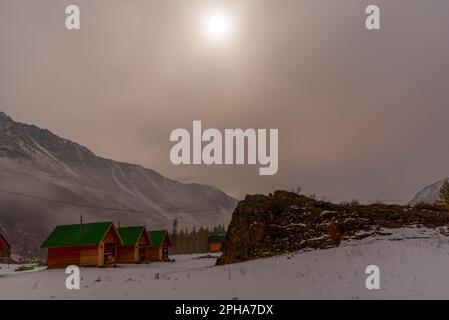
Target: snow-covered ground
7 268
414 263
10 268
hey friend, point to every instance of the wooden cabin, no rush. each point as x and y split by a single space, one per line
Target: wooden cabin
84 245
160 242
136 244
215 239
5 249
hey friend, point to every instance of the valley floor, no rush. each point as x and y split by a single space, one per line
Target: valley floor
414 264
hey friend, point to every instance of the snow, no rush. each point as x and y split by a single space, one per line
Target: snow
121 186
298 224
56 160
7 268
429 194
413 264
135 191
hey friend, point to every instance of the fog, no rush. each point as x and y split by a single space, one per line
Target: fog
361 114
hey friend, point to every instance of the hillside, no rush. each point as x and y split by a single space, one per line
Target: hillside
265 226
37 162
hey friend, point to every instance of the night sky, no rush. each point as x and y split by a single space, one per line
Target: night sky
361 114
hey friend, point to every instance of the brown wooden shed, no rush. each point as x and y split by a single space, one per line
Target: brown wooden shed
84 245
135 245
160 242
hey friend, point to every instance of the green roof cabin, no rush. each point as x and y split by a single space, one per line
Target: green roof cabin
84 245
136 245
160 242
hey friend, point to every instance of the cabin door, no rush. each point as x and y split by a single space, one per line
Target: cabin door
142 253
164 253
109 253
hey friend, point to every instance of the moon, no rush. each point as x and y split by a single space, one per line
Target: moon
217 24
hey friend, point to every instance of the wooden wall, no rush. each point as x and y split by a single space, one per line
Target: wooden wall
143 240
101 255
83 256
110 237
4 249
5 253
62 257
155 253
142 246
128 254
89 256
214 247
142 252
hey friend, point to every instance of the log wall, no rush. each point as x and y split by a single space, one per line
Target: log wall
128 254
155 253
63 256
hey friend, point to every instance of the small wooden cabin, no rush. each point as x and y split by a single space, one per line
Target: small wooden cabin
136 244
5 249
160 242
84 245
215 239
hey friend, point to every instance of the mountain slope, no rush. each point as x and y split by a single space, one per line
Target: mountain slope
429 194
37 162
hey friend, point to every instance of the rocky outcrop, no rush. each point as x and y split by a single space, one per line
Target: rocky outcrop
264 226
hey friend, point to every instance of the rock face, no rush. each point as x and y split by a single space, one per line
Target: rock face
429 194
37 162
264 226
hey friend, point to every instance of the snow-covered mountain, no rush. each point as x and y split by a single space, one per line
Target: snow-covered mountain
429 194
35 161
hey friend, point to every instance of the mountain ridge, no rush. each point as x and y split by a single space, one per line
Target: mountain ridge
37 162
430 193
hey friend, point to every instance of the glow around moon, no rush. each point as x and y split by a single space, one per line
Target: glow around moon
217 25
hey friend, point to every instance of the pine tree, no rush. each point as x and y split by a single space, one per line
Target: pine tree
187 241
174 234
444 193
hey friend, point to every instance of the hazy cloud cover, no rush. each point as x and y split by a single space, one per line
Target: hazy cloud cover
361 114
